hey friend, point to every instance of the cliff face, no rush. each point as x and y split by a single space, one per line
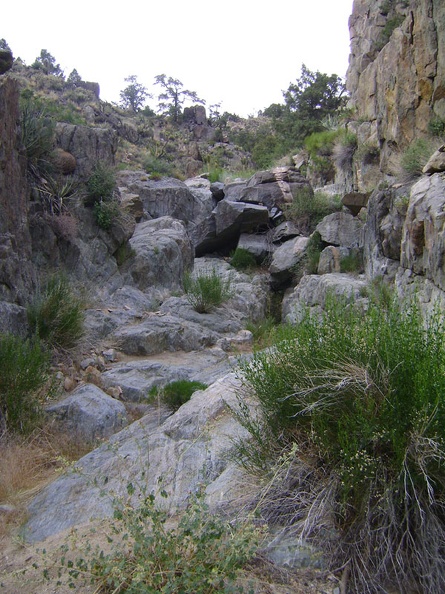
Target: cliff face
396 75
16 273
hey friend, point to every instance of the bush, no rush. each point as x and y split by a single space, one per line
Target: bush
201 554
157 167
177 393
206 291
242 259
314 248
24 370
308 208
352 414
105 213
416 156
101 184
37 129
56 314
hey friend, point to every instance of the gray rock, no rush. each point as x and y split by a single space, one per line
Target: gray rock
285 258
162 252
188 450
341 228
330 259
436 163
89 413
259 245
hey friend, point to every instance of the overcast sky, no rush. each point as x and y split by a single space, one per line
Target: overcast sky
240 53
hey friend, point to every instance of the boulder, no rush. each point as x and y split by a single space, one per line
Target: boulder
63 161
423 240
330 259
436 163
355 201
188 450
89 413
342 229
313 290
88 145
274 188
161 251
259 245
286 258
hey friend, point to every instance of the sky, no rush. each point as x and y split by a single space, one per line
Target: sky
239 53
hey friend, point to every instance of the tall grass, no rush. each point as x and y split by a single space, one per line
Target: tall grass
206 290
352 429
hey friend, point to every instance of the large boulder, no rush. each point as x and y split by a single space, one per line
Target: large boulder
342 229
188 450
313 291
423 241
89 414
161 251
274 188
286 258
87 145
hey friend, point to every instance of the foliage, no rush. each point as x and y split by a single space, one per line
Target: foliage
74 78
352 263
105 213
4 45
47 63
416 156
101 183
206 290
55 194
173 96
390 25
55 314
134 95
157 166
24 370
242 259
309 208
37 133
177 393
202 554
436 126
308 102
352 426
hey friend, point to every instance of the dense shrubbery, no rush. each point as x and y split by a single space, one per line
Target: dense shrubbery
100 194
24 370
206 290
37 129
56 315
242 259
308 208
177 393
352 426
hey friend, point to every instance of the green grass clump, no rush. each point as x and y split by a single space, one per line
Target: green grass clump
101 184
242 259
202 553
352 430
24 371
56 314
206 290
416 156
177 393
310 208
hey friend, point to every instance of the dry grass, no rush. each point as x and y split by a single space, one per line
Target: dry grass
29 463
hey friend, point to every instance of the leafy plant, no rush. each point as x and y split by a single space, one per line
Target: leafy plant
242 259
308 208
416 155
206 290
202 554
24 371
353 262
314 248
177 393
101 183
105 213
55 314
37 133
352 429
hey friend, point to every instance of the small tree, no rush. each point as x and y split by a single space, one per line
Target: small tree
4 45
174 96
74 79
134 95
47 63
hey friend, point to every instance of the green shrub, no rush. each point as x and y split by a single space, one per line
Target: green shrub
416 156
37 133
352 426
56 315
206 291
101 184
105 213
436 126
242 259
177 393
24 370
352 263
314 248
308 208
202 554
157 166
